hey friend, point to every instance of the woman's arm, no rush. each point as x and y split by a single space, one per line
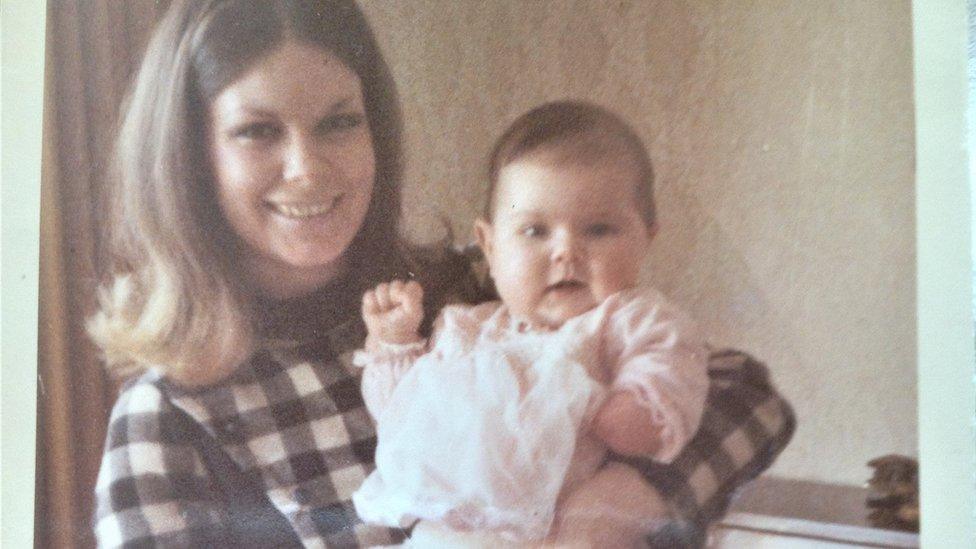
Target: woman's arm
745 426
153 488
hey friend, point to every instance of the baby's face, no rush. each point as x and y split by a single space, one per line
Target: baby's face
564 237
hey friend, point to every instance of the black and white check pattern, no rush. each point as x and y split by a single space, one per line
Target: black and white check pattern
293 418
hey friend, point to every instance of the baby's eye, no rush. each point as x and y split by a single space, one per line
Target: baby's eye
534 231
601 229
257 131
341 122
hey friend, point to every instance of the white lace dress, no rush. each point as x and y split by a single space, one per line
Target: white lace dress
484 427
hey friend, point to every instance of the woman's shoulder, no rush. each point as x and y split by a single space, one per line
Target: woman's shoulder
142 416
140 395
143 443
145 412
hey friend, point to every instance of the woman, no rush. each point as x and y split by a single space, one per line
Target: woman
257 198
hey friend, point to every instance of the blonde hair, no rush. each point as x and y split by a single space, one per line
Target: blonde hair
174 298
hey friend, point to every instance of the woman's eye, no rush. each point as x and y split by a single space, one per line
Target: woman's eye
534 231
257 132
340 122
601 229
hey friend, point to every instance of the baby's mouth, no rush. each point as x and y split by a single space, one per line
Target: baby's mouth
567 285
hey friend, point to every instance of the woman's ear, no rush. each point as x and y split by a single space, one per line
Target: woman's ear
485 236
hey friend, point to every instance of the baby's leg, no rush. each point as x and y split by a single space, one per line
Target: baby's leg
614 508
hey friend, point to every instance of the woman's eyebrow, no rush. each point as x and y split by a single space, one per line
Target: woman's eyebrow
341 104
603 215
259 110
250 110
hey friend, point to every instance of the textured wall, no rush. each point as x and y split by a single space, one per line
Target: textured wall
782 134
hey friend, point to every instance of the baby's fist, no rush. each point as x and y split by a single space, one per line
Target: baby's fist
393 311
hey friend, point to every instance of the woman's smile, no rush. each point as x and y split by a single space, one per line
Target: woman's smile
305 209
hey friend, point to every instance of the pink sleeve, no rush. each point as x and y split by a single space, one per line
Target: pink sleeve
656 352
457 326
383 367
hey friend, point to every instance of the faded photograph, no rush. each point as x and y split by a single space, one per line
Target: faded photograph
463 274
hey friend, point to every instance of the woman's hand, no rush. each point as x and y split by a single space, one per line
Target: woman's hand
393 311
615 508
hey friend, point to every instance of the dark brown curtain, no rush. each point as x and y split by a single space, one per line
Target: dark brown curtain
93 46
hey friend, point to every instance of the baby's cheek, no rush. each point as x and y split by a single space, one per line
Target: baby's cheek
517 279
620 275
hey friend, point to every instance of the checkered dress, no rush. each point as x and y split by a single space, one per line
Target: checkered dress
293 421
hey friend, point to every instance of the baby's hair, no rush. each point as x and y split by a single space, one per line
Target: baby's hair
574 131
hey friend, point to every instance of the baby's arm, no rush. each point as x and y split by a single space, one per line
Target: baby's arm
659 379
392 313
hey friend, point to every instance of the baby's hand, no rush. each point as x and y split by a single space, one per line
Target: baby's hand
627 427
393 311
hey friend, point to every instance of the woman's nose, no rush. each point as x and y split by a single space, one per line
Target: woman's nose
303 159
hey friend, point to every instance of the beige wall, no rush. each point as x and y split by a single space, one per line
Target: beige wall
782 134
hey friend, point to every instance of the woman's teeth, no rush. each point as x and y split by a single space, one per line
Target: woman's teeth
304 210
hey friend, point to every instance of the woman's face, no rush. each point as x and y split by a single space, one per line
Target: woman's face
294 166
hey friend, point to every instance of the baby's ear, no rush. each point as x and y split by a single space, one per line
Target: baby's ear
484 234
652 231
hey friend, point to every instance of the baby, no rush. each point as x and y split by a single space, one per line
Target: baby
511 406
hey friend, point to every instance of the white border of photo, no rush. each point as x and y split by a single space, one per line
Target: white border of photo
947 400
21 107
946 396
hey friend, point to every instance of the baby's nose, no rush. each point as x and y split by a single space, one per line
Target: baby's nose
566 248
